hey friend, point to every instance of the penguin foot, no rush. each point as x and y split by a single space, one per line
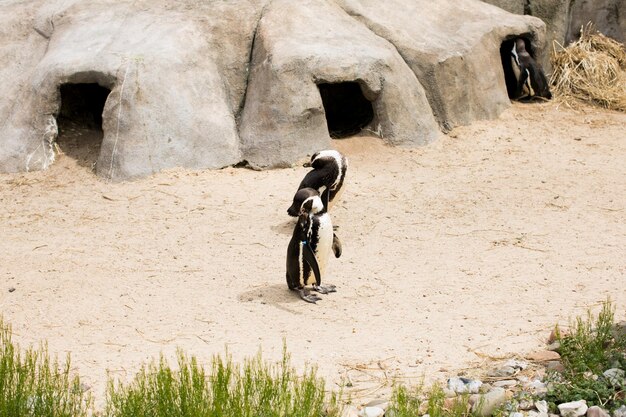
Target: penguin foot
325 289
306 295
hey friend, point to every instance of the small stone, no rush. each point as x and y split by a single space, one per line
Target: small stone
489 402
596 411
544 356
542 406
532 413
525 405
485 388
537 386
505 383
555 366
554 346
514 363
457 385
620 412
615 376
573 408
464 385
384 404
372 412
516 414
473 387
11 289
503 372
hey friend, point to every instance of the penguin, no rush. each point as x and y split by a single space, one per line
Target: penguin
531 80
310 246
327 177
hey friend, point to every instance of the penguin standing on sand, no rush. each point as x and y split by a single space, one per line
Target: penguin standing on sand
310 246
531 81
327 177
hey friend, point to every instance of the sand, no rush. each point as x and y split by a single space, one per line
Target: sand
469 248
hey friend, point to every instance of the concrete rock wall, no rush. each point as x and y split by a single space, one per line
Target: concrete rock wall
206 84
564 18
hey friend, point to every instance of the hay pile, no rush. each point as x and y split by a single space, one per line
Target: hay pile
593 70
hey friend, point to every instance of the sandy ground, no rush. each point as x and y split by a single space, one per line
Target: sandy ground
475 245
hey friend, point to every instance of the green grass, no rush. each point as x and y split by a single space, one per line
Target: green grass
587 351
417 402
33 385
254 389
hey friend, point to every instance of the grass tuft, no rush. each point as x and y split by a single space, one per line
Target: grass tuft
592 347
417 402
254 389
33 385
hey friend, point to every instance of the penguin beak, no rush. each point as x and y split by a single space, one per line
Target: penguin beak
306 165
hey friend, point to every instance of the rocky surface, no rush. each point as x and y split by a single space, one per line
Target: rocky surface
207 84
564 18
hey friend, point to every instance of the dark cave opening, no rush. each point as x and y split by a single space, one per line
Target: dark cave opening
507 65
347 110
80 121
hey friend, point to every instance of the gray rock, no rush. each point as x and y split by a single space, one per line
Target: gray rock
487 403
573 408
474 386
516 364
284 118
505 383
542 406
464 385
596 411
620 412
555 366
615 376
189 87
485 388
536 386
503 372
425 33
372 412
516 414
457 385
564 17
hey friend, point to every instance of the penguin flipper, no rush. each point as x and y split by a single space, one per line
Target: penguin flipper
309 257
337 249
307 296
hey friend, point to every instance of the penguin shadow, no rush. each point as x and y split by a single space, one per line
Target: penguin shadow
277 295
284 228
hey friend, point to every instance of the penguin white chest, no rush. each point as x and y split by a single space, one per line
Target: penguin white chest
324 238
325 243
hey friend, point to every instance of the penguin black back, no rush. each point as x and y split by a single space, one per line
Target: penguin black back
327 177
530 75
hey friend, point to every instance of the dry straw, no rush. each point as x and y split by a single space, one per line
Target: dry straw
592 70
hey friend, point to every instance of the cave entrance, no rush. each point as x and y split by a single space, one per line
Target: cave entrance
80 121
507 64
347 110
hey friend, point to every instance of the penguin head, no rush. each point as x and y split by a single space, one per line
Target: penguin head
520 45
306 201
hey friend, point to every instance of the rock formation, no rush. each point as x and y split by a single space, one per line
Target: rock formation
207 84
564 18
